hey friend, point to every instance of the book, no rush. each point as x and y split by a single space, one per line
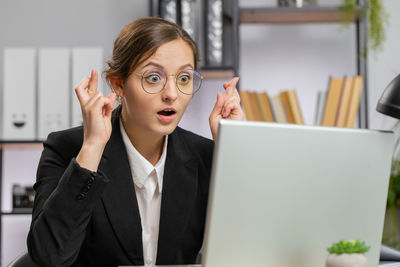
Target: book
344 102
265 107
255 106
321 99
245 99
295 107
284 96
332 101
278 109
354 101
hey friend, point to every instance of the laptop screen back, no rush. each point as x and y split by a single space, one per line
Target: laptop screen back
281 194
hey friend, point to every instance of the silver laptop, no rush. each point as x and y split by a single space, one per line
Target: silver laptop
281 194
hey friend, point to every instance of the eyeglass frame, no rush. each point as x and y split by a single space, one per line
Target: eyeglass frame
166 80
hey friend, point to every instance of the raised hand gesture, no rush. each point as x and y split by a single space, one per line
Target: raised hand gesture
226 107
96 114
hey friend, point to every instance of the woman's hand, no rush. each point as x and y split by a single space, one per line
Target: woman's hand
96 114
226 107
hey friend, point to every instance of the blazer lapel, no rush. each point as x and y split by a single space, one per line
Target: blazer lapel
178 194
119 197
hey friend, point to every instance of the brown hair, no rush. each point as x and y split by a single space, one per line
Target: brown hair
139 40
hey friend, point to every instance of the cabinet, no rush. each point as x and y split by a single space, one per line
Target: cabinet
20 161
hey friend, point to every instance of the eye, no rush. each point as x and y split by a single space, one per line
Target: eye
184 78
153 78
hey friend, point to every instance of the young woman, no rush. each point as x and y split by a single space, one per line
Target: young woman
130 187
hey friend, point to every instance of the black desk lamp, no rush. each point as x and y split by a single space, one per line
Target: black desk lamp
389 104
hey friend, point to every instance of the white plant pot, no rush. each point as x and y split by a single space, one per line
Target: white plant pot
346 260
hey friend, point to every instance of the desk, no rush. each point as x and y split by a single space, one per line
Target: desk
389 264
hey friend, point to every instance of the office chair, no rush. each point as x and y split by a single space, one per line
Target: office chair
22 260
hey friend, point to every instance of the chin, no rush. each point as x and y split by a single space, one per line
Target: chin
167 129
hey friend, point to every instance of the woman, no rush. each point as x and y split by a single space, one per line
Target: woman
130 187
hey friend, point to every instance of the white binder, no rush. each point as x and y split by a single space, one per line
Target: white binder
19 98
53 91
84 59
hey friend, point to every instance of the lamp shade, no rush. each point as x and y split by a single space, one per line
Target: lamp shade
389 103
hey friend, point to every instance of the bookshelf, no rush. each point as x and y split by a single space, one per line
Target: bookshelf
318 14
21 145
288 15
218 73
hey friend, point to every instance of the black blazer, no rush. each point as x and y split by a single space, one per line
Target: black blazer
81 218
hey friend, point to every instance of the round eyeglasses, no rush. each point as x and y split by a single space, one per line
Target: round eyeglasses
187 81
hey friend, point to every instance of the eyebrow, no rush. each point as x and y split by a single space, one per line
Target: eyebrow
161 67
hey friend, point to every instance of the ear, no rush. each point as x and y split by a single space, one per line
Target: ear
117 85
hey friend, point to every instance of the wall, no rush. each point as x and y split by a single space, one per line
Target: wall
65 23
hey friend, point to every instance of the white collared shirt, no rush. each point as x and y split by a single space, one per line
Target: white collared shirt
148 181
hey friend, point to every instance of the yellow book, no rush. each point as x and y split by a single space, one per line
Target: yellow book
344 102
295 107
245 99
255 106
265 107
284 96
354 101
332 102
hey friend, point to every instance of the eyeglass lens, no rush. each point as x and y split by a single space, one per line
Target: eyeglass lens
187 81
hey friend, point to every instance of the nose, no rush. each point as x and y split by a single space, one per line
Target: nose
170 92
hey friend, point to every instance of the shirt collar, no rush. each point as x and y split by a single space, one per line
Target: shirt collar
141 168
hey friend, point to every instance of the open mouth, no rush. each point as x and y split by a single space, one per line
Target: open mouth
166 112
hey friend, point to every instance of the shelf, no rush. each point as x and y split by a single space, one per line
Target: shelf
285 15
21 145
17 213
217 73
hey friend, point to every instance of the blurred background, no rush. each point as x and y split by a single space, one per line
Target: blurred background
268 57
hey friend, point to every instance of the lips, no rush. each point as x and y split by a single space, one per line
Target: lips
166 112
166 115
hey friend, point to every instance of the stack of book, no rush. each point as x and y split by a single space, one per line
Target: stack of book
339 105
282 108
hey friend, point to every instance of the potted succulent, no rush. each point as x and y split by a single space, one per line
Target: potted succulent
376 17
347 254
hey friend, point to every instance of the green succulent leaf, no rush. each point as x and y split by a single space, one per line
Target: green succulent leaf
348 247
